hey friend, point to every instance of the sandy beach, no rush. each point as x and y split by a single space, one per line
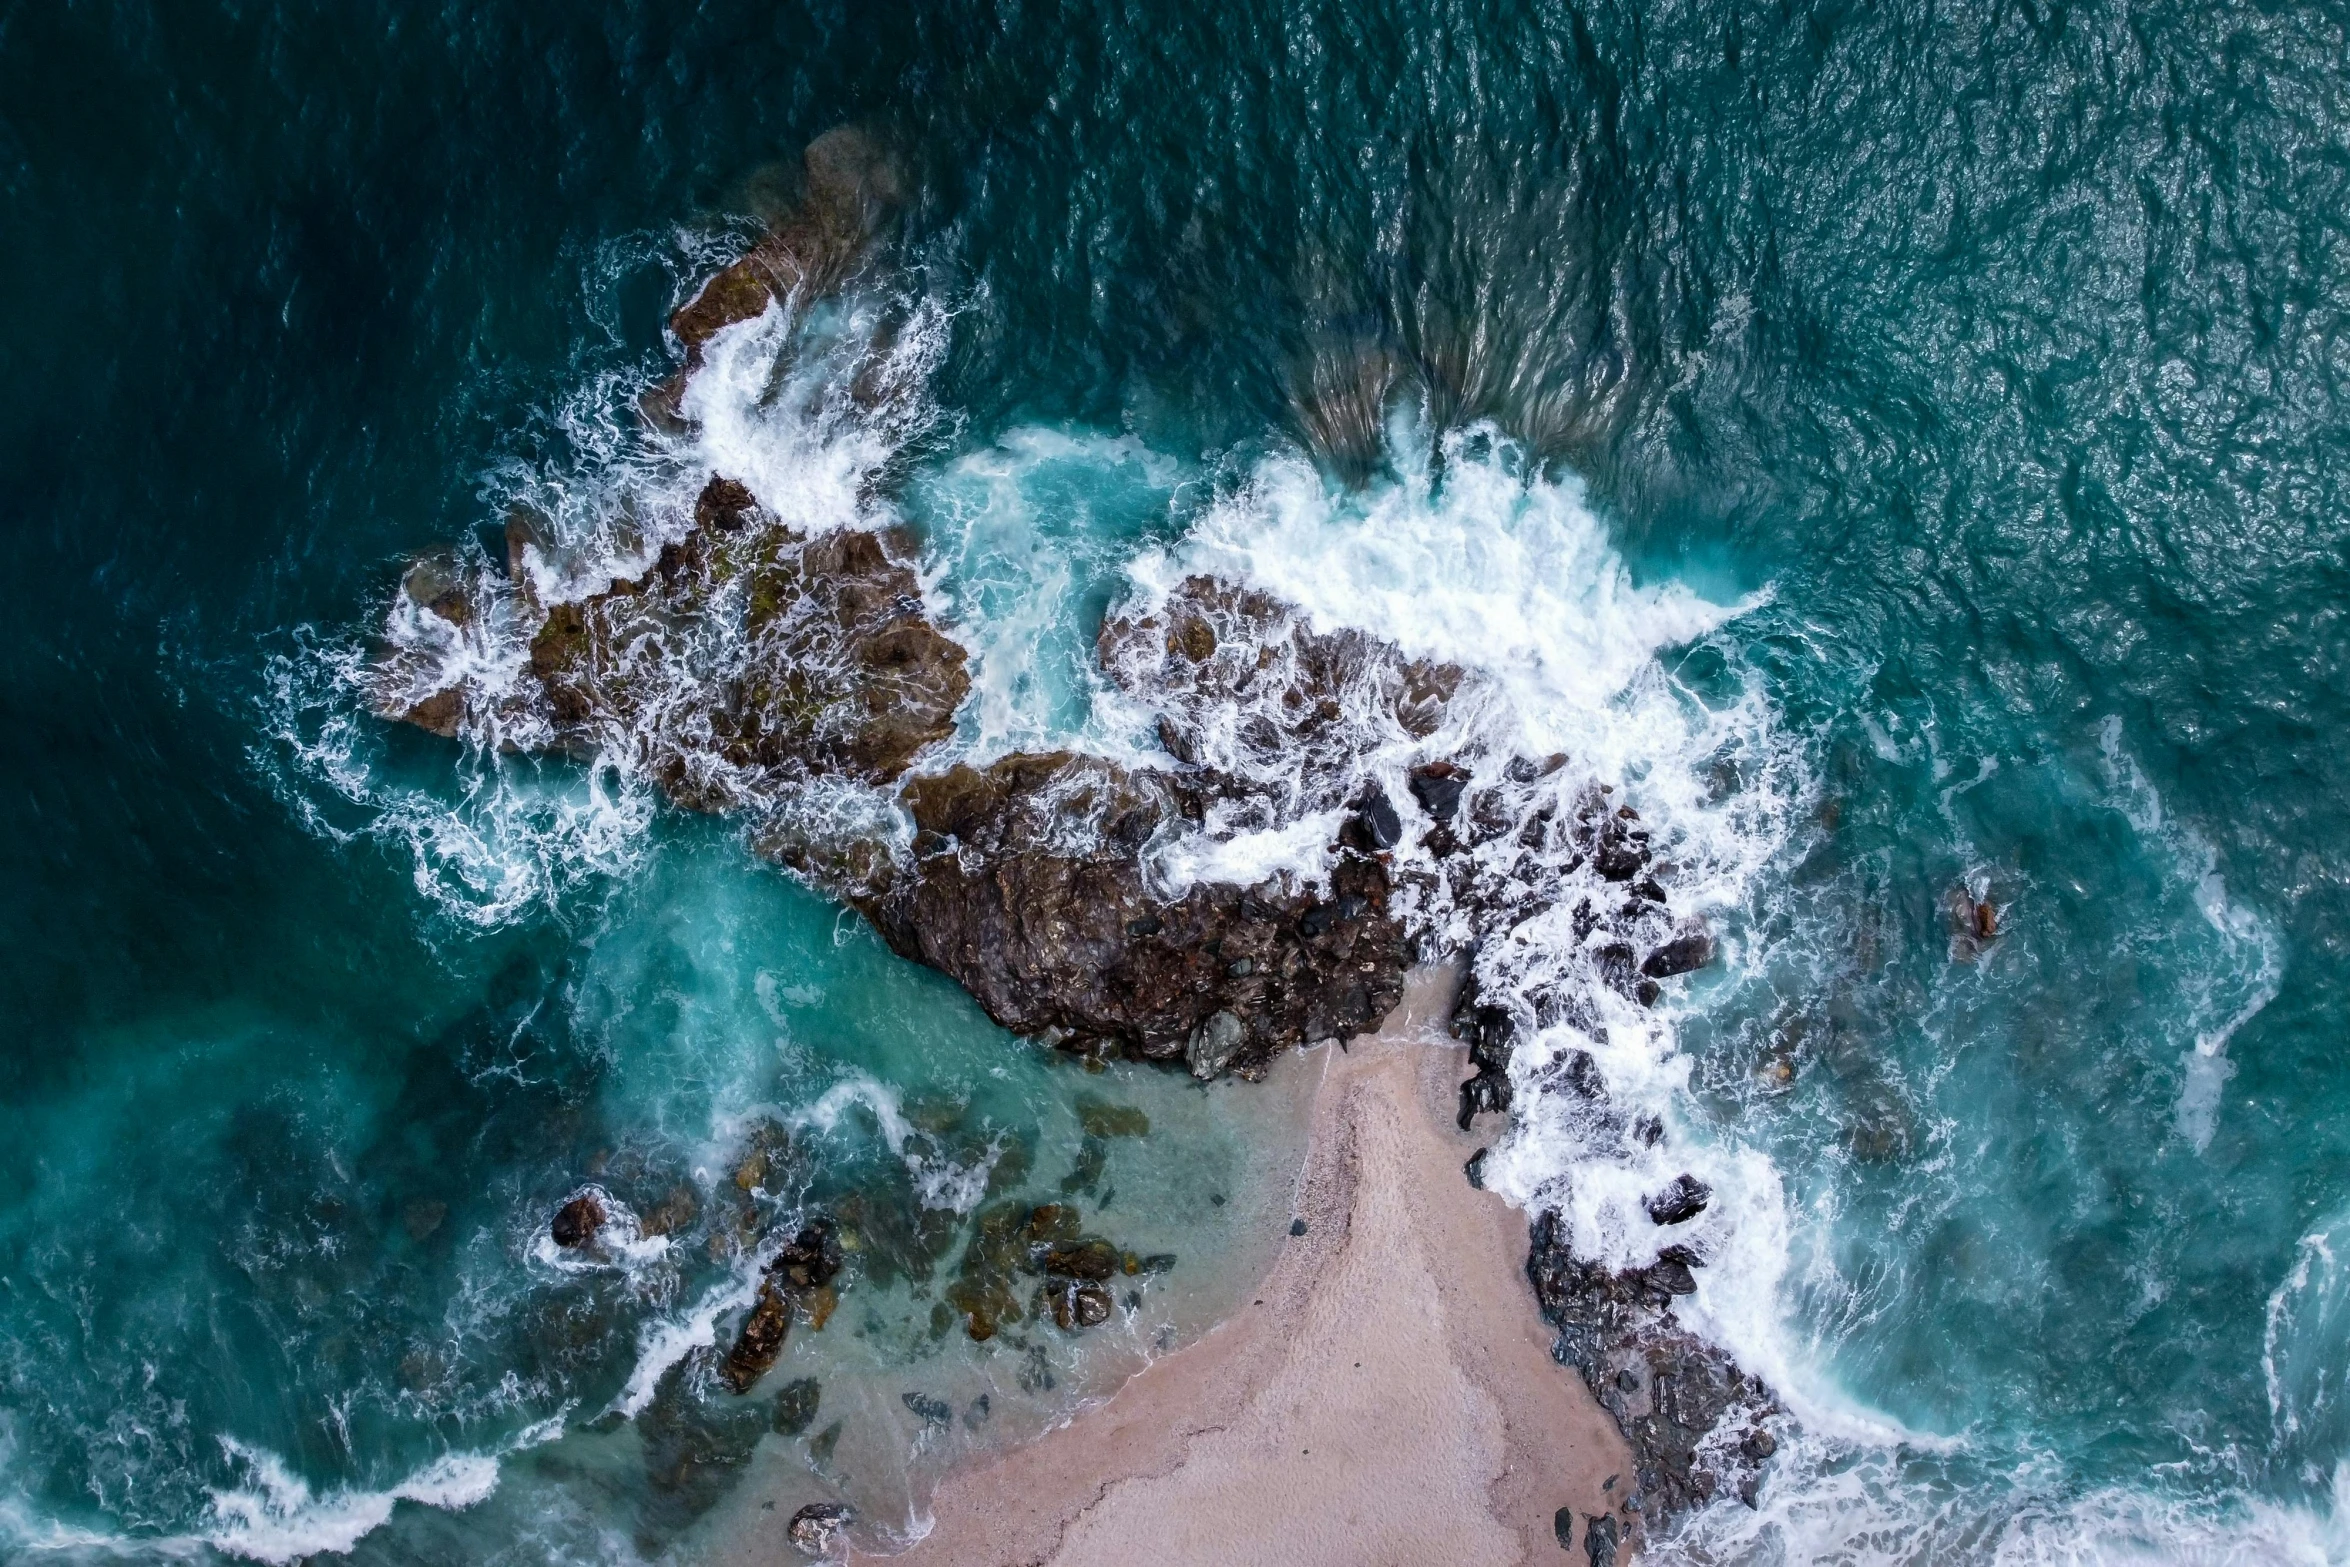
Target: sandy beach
1388 1396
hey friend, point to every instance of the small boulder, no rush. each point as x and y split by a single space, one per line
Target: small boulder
815 1527
761 1340
1684 954
1680 1202
1213 1045
1438 786
811 1259
930 1411
1374 826
578 1221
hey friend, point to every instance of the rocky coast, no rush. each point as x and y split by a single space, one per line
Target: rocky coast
802 681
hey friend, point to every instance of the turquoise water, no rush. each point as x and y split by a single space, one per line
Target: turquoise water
1988 362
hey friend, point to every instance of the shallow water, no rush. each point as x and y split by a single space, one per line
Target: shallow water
1914 462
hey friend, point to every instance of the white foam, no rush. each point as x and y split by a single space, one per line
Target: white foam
1297 851
1022 533
277 1518
807 408
1491 568
665 1341
940 1183
2226 995
510 836
1841 1504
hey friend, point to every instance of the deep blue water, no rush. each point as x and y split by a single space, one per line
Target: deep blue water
1999 353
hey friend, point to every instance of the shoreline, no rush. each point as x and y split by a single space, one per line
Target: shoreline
1387 1395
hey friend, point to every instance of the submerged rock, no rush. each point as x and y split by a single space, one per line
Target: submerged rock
696 1446
850 187
1013 1239
795 1279
796 1405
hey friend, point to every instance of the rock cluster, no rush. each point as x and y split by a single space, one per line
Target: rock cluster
748 659
798 1279
748 665
1039 1262
1697 1424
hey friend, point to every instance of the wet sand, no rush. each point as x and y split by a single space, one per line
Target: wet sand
1388 1398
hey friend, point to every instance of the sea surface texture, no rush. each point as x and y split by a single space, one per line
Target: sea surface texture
1903 450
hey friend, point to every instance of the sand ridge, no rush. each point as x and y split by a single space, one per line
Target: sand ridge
1387 1398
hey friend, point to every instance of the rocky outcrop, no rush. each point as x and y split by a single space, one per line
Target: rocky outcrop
795 1280
850 187
751 658
747 666
1028 885
815 1527
1698 1425
747 660
578 1221
1245 686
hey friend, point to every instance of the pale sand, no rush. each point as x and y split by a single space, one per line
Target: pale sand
1388 1399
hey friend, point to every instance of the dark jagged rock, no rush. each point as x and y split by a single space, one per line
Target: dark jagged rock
1375 827
1027 886
577 1222
1684 954
1669 1391
1491 1033
1438 787
1600 1537
1680 1202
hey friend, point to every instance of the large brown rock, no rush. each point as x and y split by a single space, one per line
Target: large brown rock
749 659
850 187
1027 885
752 657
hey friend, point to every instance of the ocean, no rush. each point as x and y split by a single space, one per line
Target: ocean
1901 449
